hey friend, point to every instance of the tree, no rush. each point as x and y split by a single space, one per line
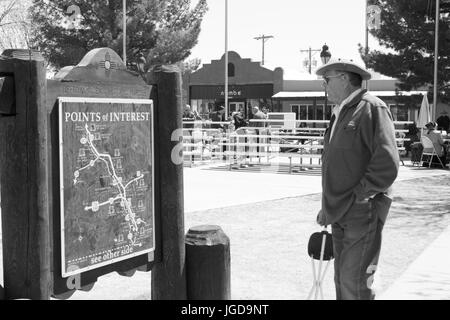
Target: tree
14 24
407 30
163 31
187 68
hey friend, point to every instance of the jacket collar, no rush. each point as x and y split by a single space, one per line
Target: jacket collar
355 99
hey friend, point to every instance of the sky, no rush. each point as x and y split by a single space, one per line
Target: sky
294 24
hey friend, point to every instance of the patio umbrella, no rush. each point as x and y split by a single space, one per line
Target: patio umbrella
424 113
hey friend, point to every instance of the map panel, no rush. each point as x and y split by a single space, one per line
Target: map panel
106 177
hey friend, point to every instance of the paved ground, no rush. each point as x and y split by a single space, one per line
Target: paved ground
269 217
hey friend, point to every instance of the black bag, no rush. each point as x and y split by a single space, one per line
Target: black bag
315 245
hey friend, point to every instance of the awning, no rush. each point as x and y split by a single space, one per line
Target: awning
319 94
398 93
297 94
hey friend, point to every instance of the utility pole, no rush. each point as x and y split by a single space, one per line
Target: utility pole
367 28
436 58
310 51
264 38
226 59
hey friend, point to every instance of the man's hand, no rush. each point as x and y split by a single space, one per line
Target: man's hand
321 218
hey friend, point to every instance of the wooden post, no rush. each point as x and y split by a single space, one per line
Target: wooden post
207 263
24 180
168 276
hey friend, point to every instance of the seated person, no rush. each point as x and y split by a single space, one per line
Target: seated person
413 135
436 139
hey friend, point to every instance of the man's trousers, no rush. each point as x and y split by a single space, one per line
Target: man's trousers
357 244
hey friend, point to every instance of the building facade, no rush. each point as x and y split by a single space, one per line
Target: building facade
251 84
308 100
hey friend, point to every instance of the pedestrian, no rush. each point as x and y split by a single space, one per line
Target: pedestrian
188 117
188 114
238 120
438 143
413 135
360 163
197 115
257 114
218 116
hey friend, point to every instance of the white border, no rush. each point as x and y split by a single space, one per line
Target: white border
62 100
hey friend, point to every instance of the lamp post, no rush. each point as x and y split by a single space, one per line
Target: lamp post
325 56
124 4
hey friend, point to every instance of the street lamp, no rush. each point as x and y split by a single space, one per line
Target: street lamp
325 56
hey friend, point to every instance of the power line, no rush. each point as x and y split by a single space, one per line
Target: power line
310 51
264 38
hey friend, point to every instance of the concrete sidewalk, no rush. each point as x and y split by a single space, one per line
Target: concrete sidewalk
208 188
428 277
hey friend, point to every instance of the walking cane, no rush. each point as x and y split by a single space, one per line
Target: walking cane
320 247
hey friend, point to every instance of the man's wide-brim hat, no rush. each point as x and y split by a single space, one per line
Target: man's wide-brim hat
346 66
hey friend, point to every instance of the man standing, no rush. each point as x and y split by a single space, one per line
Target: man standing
218 116
359 164
257 114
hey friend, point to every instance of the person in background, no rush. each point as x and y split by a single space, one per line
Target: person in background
197 115
437 140
188 114
238 120
265 110
257 114
188 117
218 116
411 136
360 163
443 122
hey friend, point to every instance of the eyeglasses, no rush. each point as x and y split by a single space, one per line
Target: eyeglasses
327 78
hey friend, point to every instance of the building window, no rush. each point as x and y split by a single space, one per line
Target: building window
399 112
231 70
319 112
296 109
301 111
304 112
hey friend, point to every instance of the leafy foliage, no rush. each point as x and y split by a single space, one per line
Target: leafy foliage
163 31
14 25
407 30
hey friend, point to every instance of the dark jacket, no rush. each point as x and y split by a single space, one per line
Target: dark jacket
217 116
362 158
239 121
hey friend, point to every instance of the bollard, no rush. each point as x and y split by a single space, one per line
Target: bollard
207 263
